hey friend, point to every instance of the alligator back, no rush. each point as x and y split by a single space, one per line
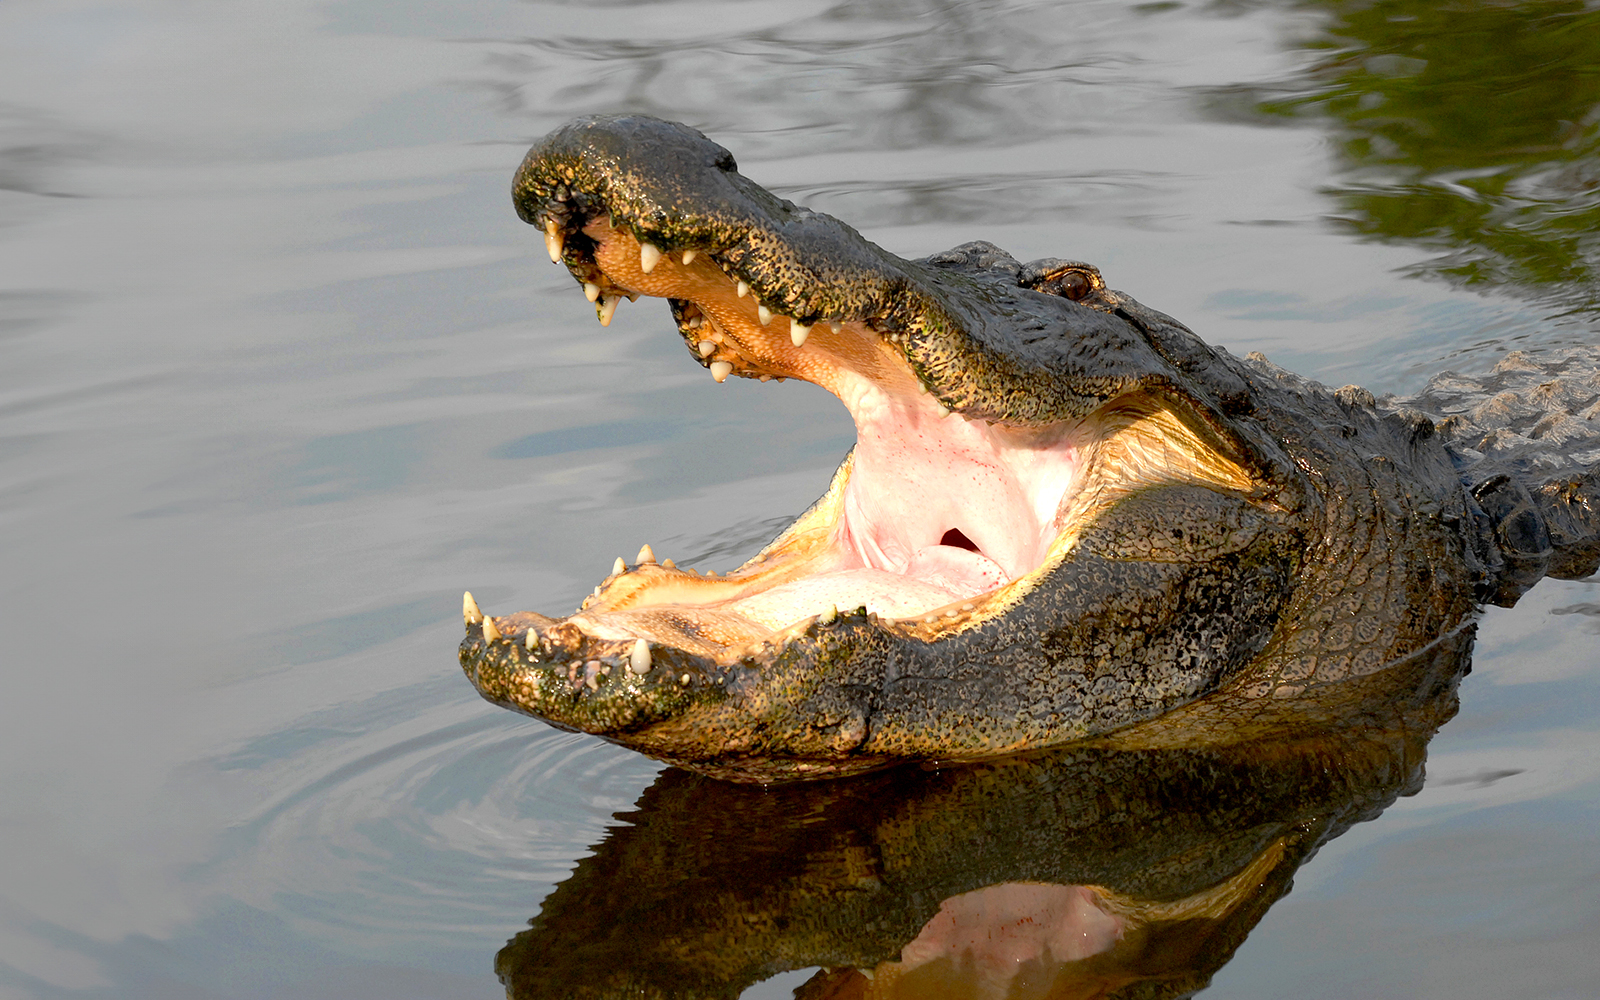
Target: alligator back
1526 439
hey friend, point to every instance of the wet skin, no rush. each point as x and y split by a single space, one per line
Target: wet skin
1065 515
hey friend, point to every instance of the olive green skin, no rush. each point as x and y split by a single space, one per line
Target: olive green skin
707 887
1359 546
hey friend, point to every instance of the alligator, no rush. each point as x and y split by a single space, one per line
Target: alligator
1066 517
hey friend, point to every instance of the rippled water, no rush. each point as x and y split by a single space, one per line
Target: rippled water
282 374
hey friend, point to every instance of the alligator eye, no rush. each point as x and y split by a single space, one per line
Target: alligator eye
1069 279
1074 285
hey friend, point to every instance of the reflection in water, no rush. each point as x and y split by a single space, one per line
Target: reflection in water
1081 872
1471 128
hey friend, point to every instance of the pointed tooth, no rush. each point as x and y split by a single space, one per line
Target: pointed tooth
688 257
553 240
764 315
469 609
619 567
596 592
720 370
668 564
944 411
639 658
490 633
742 289
532 642
798 332
591 291
649 256
829 615
646 555
835 325
706 348
608 309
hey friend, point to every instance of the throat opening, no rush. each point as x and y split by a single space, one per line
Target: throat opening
956 539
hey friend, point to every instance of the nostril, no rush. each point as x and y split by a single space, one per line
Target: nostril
956 539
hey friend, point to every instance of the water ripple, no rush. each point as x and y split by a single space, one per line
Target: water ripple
437 825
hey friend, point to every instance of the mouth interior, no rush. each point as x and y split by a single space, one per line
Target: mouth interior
932 519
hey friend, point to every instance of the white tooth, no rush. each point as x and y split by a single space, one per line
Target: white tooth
742 289
533 640
596 592
649 255
591 291
721 370
619 567
646 555
639 659
490 633
764 315
829 615
798 332
944 411
706 348
553 240
688 257
834 326
469 609
608 309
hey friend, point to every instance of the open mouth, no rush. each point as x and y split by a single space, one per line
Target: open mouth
1055 521
937 521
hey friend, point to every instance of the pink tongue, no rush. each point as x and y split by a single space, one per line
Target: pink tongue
960 571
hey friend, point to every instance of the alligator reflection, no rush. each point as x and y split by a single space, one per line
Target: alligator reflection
1091 871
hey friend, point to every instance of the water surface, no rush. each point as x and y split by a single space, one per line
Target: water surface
283 374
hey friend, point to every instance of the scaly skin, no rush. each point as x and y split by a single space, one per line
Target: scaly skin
1320 539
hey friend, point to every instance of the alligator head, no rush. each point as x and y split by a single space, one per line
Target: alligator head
1063 514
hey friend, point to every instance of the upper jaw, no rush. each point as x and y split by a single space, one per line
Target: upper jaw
985 336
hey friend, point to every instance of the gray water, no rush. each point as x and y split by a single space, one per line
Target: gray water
281 374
